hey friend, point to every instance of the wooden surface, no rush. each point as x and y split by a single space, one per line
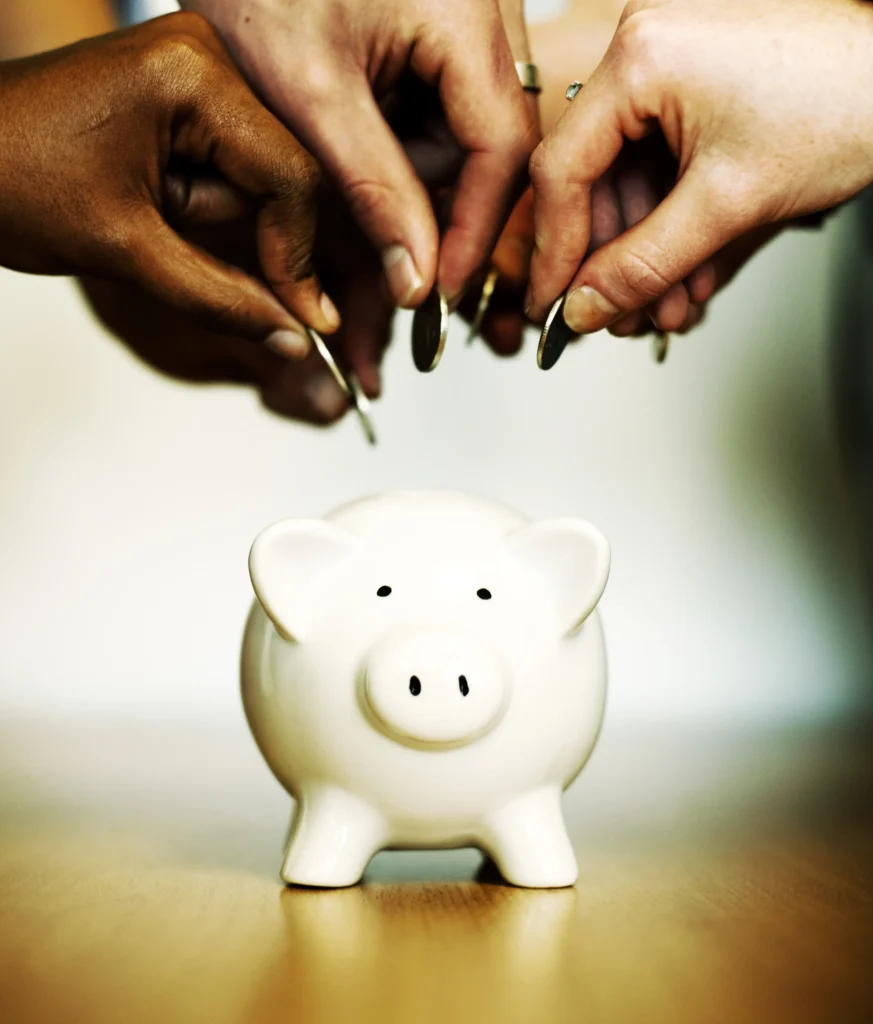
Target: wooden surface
723 878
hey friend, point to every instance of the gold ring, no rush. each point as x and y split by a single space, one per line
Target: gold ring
529 76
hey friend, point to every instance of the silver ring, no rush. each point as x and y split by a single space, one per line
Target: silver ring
573 90
529 76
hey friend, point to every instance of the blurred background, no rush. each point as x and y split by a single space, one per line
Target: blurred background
730 482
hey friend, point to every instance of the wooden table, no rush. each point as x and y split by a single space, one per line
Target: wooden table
725 877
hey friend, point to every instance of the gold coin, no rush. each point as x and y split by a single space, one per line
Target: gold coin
484 302
555 336
660 346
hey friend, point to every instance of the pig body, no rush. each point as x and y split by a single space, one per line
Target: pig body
426 670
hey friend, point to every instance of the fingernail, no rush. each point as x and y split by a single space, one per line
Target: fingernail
330 312
293 344
587 311
325 395
404 279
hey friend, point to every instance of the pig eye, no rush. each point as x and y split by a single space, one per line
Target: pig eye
383 591
484 594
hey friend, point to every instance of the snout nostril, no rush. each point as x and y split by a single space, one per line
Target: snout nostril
463 686
415 686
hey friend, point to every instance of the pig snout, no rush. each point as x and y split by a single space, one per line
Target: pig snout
425 685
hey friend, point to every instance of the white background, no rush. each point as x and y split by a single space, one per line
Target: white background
129 501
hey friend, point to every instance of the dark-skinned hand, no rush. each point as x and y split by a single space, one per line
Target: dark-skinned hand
110 146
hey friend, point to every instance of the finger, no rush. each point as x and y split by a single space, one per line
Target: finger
669 312
512 253
695 315
639 195
578 151
504 331
701 282
634 325
489 115
344 129
306 392
366 332
607 220
200 201
219 297
642 265
261 159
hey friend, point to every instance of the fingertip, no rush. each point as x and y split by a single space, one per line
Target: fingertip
670 311
630 325
504 333
701 282
695 316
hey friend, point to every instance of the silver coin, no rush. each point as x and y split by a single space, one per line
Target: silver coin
555 337
362 408
660 346
350 385
484 303
328 358
430 324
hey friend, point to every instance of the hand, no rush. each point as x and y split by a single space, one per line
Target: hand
176 344
109 143
324 66
767 112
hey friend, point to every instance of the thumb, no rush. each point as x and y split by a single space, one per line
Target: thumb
220 297
640 266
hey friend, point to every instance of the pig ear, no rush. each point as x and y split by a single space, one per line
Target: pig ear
290 564
574 557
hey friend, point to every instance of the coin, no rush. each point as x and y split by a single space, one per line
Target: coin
573 90
484 302
362 408
327 356
556 334
350 386
660 346
430 324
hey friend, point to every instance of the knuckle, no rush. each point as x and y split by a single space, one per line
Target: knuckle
641 275
370 201
638 48
317 81
549 166
177 62
733 197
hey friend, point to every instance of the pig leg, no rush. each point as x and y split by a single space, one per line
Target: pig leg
333 837
528 842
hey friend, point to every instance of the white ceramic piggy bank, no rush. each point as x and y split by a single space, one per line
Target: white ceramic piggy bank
426 670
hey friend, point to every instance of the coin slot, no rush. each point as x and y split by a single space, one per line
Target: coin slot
415 686
383 591
463 686
484 594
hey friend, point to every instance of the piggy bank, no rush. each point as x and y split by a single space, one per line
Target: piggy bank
426 670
